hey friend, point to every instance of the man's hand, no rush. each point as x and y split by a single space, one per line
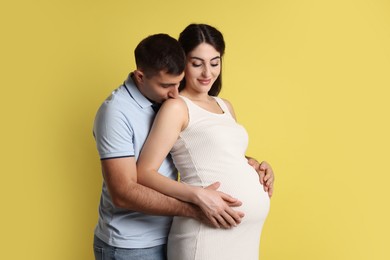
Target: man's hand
217 207
266 174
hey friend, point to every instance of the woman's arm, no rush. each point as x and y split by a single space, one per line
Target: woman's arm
169 122
171 119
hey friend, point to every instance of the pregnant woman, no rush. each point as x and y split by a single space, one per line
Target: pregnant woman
207 145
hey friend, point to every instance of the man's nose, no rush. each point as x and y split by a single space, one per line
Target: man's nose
174 93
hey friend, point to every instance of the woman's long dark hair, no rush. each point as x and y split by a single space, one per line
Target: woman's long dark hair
195 34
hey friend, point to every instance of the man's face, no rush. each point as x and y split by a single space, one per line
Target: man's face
160 87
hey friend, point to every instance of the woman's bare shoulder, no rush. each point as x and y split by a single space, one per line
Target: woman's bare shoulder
174 103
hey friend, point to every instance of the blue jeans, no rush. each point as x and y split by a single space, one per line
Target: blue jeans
104 251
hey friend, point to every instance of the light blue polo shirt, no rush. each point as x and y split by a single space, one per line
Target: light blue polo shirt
121 127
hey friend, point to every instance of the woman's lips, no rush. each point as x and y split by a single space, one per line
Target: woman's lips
204 81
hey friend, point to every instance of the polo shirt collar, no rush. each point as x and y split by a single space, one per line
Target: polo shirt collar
140 99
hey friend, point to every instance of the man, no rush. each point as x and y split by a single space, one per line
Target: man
134 220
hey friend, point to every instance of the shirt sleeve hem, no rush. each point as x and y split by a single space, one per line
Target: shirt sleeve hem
115 157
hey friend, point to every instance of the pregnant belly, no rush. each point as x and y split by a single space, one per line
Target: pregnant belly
242 182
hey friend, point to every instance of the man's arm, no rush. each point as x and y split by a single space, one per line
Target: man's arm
120 176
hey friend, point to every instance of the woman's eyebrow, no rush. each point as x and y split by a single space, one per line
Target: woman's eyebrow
197 58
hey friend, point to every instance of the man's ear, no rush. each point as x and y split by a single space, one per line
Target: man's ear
139 75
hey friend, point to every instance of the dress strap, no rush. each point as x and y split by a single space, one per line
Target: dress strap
223 105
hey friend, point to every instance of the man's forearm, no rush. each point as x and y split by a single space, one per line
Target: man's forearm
143 199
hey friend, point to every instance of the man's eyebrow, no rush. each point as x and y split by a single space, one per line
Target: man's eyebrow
167 84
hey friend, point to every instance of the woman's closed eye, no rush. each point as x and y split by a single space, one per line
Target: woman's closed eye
213 64
196 65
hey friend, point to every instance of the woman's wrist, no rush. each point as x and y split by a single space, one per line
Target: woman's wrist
194 194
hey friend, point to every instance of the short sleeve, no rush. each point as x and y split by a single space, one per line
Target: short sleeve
113 133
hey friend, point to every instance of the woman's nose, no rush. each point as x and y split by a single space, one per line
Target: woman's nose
206 71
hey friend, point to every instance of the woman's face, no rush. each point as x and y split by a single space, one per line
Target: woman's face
203 68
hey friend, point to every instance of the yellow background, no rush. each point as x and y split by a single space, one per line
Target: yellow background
308 79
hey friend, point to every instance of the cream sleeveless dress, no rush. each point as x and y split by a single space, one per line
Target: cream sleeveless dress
212 148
